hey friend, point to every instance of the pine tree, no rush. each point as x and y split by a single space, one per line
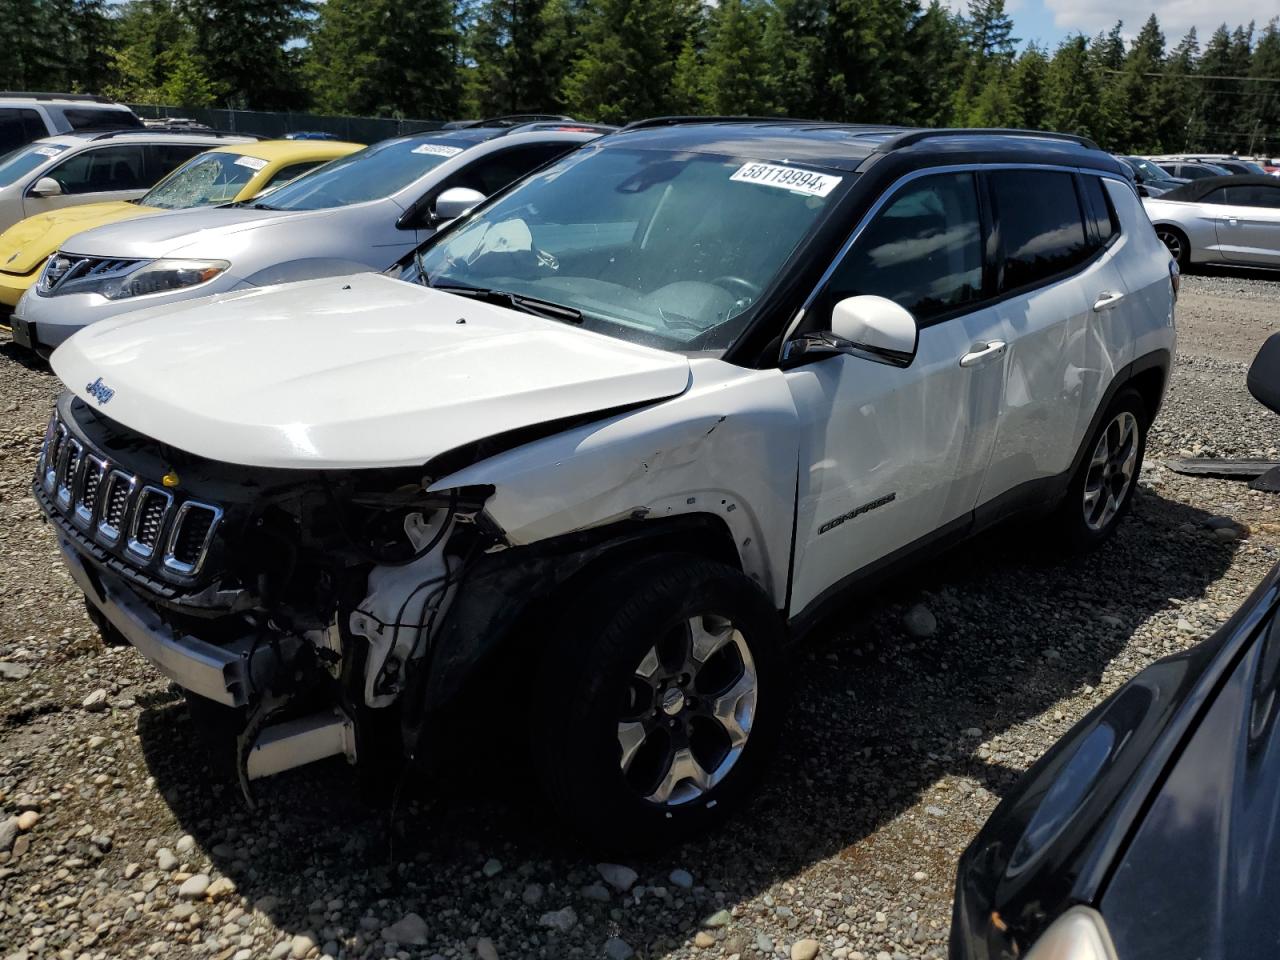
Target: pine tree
1072 91
505 45
243 44
935 49
1028 90
155 60
981 96
1139 114
1262 97
627 63
735 74
1181 121
386 58
1219 98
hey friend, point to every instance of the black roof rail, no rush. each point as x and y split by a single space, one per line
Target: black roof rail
678 119
177 128
509 120
45 95
910 137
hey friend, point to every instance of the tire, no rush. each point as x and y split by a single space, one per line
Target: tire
1177 244
1110 483
620 665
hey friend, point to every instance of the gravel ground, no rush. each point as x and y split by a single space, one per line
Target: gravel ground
899 746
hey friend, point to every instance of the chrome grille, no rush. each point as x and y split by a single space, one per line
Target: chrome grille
115 503
189 540
148 520
62 272
95 470
68 463
118 509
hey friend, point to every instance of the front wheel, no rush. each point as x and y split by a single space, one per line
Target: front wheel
658 700
1101 491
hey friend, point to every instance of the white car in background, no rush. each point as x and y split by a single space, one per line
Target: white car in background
91 167
1232 220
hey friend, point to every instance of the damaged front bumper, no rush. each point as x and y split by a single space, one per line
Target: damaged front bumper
221 674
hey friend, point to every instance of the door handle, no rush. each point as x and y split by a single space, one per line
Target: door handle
1106 300
982 351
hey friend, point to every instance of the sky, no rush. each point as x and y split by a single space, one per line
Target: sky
1049 21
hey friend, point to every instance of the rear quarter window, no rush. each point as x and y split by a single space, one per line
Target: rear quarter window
1102 219
88 118
1041 228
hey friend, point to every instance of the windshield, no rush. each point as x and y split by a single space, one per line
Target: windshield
1146 169
25 159
670 250
203 180
369 174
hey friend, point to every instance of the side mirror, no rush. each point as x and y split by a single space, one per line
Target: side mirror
1264 374
869 327
455 202
46 187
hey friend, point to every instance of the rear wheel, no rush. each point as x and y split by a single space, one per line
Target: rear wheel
1101 491
1176 243
658 701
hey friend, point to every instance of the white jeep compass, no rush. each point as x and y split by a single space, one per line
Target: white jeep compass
610 442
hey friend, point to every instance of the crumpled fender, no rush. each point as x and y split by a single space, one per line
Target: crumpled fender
726 447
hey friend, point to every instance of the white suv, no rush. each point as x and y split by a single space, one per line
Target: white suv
29 116
607 442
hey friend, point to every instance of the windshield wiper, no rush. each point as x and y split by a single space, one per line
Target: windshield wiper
533 305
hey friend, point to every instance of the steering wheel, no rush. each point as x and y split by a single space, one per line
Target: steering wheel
744 289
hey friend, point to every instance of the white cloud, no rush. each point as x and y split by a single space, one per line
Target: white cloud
1175 16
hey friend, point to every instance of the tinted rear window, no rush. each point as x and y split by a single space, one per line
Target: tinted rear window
1101 215
88 118
1041 230
18 126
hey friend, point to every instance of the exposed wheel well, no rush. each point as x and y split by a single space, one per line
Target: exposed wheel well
1150 386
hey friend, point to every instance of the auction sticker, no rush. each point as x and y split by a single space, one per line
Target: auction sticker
787 178
437 149
48 151
253 163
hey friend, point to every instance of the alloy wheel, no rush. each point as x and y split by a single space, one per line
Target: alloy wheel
1173 242
1111 471
688 711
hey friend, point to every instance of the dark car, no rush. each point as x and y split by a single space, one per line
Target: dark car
1192 169
1151 830
1152 181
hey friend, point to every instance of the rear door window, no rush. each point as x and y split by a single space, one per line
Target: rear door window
164 158
491 173
291 172
19 125
923 251
103 170
1039 222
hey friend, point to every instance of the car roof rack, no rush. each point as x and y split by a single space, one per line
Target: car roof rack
911 137
175 128
679 119
45 95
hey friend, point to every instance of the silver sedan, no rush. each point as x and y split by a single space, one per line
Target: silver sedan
1231 220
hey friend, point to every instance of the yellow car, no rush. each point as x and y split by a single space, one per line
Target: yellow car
234 172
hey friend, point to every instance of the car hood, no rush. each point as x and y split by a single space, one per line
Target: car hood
198 232
28 243
350 372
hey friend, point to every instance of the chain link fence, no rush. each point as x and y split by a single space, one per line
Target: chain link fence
277 124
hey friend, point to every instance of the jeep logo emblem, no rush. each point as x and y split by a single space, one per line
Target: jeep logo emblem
99 391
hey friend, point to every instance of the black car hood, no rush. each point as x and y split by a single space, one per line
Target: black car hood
1064 829
1201 877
